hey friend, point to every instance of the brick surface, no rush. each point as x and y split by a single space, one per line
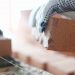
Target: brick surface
5 47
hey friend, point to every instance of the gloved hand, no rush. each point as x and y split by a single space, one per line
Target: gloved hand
51 7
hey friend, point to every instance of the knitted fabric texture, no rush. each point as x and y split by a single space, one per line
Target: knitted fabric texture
45 11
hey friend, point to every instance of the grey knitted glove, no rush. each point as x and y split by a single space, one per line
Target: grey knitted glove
48 9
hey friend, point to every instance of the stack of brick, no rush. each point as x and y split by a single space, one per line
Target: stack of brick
54 62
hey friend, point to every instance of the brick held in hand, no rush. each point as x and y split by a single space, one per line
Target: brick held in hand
62 33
